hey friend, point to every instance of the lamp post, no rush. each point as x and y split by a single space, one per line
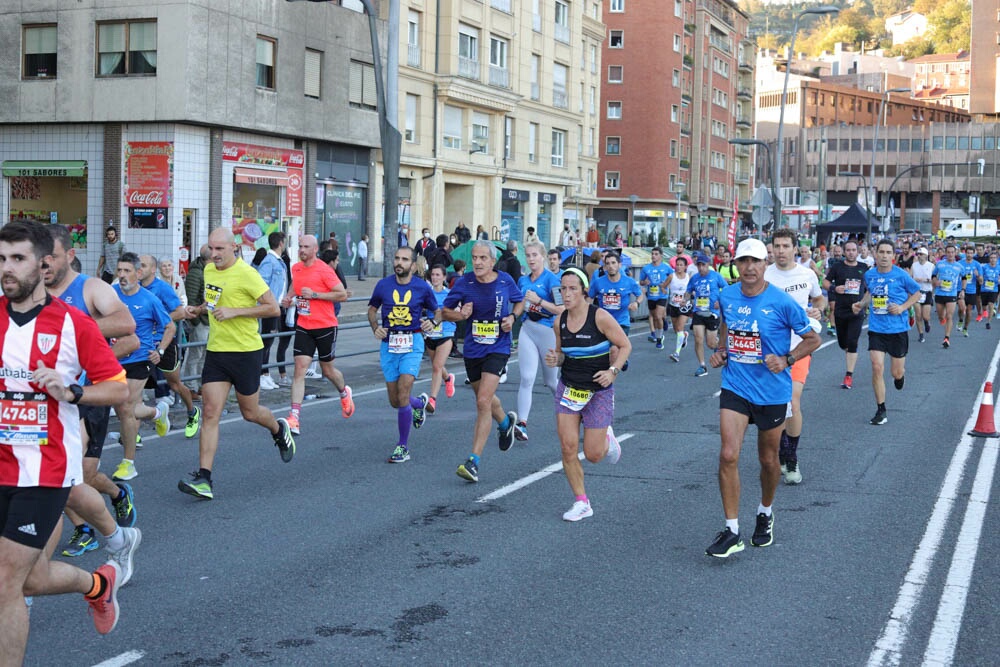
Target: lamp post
819 9
864 183
390 138
631 223
878 123
775 202
679 188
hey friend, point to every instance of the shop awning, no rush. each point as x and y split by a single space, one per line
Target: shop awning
44 167
261 176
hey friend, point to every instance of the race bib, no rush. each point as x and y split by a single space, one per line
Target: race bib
946 285
744 347
654 290
990 285
701 303
24 418
535 308
852 286
212 296
880 305
923 297
575 399
485 333
437 331
611 301
677 299
302 305
400 342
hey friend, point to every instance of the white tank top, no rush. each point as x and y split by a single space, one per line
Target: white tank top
677 289
922 274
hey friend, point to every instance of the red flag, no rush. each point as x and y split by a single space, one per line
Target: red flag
733 223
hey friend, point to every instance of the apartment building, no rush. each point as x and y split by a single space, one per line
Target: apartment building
943 78
984 52
678 86
498 107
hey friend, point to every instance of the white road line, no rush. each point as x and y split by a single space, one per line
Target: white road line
889 646
948 624
534 477
126 658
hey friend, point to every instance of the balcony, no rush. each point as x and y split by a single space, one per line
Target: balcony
742 177
686 128
721 43
688 60
468 68
685 163
689 28
745 65
686 98
562 33
499 77
742 120
413 55
744 93
742 151
559 98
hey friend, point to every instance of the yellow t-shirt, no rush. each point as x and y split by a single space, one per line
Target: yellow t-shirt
239 286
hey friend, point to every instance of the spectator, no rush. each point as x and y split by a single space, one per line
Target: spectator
532 237
272 269
508 262
440 256
333 243
197 328
615 238
719 256
459 271
363 257
593 236
593 264
568 236
402 241
462 234
112 249
332 258
481 234
425 246
167 275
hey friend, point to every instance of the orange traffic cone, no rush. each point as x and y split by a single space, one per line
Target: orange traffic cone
985 427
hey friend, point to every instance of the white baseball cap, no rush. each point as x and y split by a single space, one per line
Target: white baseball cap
751 248
922 251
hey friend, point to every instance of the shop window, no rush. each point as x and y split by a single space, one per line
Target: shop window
362 85
126 48
39 45
313 73
266 48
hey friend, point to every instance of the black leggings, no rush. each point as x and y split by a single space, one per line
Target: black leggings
275 325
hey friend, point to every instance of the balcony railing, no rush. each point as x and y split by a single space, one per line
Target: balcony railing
742 151
413 55
745 64
721 43
686 127
685 164
536 22
502 5
562 33
742 177
688 60
744 93
499 76
536 92
559 98
743 119
468 68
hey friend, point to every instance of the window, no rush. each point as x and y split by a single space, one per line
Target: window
508 137
613 146
536 66
452 127
559 75
615 110
313 73
673 148
617 5
362 85
677 43
129 48
499 75
593 100
590 144
536 15
719 129
675 78
468 52
612 180
480 131
561 20
614 73
616 39
533 142
678 9
39 45
265 62
413 39
674 114
593 58
412 111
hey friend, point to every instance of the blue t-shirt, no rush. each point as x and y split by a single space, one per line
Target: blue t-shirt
892 287
971 270
443 329
950 276
151 320
991 277
491 302
706 291
756 327
400 306
614 296
165 293
548 288
656 275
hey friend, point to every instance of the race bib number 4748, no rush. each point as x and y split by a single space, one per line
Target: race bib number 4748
24 418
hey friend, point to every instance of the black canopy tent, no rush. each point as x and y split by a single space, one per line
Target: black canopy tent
853 221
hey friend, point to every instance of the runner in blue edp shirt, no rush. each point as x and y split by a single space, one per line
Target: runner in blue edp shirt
652 276
948 279
614 292
704 288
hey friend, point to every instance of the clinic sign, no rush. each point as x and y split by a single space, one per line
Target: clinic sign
149 174
286 161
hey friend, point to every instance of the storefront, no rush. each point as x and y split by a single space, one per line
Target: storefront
512 214
342 178
647 225
49 191
543 226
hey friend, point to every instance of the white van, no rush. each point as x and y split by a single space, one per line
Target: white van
968 227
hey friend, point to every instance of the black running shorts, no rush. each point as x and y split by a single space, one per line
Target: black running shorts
28 514
310 341
492 363
894 344
240 369
765 417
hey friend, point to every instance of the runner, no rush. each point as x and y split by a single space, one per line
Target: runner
972 276
991 279
728 268
803 286
845 282
45 346
652 276
678 303
922 272
394 314
948 280
554 263
756 387
315 287
891 292
491 301
540 288
613 292
439 343
704 288
836 257
155 330
235 298
585 393
170 357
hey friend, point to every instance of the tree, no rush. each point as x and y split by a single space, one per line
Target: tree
949 26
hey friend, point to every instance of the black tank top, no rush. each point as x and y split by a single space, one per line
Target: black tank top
587 351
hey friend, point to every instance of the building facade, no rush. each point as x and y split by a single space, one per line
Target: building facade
984 52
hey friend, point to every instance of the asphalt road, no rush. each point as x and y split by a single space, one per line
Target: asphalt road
881 556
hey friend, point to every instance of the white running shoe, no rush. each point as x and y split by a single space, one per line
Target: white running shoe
614 448
133 537
313 372
503 375
267 383
579 510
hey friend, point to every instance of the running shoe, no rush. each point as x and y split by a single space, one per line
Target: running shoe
725 545
830 331
468 381
898 384
580 510
920 338
848 382
945 344
521 431
701 372
879 418
80 542
659 343
675 357
266 383
125 471
124 506
913 321
927 326
347 403
162 421
793 475
979 317
503 375
284 441
123 557
684 343
988 324
399 455
651 338
614 448
420 414
965 332
432 405
193 424
469 471
449 385
284 381
293 424
138 441
942 322
506 435
312 373
197 486
104 610
763 534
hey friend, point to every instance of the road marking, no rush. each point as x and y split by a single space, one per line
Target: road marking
534 477
889 646
126 658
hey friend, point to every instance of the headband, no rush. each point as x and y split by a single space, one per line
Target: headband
581 275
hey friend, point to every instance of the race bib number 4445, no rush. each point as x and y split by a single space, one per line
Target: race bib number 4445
24 418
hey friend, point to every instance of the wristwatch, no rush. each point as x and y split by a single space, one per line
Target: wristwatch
790 360
614 370
160 352
77 391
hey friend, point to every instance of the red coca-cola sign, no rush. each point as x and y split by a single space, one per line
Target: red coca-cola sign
151 198
149 174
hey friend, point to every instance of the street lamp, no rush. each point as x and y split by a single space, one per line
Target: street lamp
631 223
819 9
390 138
864 183
878 123
679 188
775 202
